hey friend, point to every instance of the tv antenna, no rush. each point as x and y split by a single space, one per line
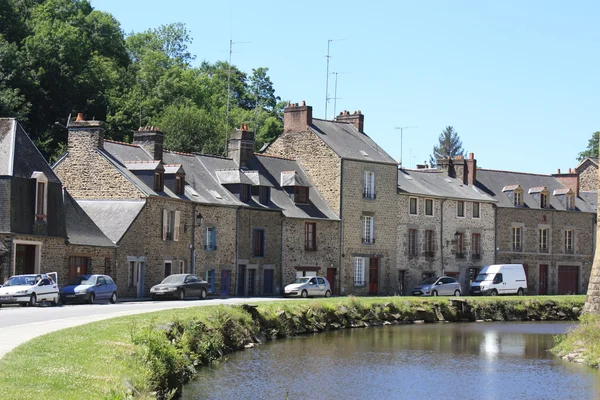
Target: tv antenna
327 78
402 128
335 98
231 43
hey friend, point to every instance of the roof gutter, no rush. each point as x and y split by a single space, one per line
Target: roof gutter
341 230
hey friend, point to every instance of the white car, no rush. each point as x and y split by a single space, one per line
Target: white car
308 286
30 289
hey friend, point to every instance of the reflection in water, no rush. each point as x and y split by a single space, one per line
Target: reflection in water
450 361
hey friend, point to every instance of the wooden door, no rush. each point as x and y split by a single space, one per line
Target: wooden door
224 282
331 273
543 280
77 266
268 281
568 279
374 276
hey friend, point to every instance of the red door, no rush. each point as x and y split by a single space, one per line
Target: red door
331 272
568 279
373 276
543 280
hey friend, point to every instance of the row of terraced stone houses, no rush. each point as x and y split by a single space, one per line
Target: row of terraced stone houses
323 198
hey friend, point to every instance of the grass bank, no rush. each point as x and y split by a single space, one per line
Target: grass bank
581 345
150 355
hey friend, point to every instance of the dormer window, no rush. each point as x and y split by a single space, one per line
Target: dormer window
264 195
517 198
159 181
245 193
300 194
41 196
515 193
570 202
543 200
179 184
541 195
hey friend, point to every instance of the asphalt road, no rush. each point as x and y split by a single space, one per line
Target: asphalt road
20 324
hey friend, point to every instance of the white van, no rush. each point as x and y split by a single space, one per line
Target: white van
500 279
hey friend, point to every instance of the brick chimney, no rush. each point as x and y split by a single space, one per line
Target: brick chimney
297 118
569 180
150 138
470 174
241 146
85 136
357 119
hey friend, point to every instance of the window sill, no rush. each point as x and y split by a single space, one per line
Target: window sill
310 249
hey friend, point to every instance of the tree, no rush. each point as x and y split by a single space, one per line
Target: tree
591 149
449 146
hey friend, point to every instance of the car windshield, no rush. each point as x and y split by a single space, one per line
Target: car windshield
173 279
21 280
83 280
484 277
302 280
429 281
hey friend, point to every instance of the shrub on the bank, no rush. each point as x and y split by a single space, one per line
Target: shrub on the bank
582 342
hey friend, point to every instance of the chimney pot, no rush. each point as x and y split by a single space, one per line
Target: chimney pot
558 171
80 117
471 156
303 103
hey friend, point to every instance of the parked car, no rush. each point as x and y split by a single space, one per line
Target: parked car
30 289
500 279
438 286
89 288
308 286
179 286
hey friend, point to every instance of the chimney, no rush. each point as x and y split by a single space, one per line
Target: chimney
297 118
241 146
446 165
85 136
569 180
470 174
357 119
150 138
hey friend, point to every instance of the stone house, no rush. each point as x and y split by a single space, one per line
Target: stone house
588 174
445 224
546 223
42 229
358 181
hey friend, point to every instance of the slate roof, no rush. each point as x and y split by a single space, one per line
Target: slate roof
492 182
232 176
594 160
113 217
81 229
143 165
436 183
347 142
590 198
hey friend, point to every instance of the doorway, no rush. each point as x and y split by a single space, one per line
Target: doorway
241 280
251 279
268 281
78 266
25 255
373 276
331 274
401 281
543 280
568 279
225 274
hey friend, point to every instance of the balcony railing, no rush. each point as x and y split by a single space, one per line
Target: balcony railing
360 283
369 195
368 240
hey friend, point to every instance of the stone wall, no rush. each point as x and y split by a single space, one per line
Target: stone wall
325 256
321 164
583 225
588 177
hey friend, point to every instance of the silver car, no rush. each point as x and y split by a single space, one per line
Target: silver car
442 286
308 286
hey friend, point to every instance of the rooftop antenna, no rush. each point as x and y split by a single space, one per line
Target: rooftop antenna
231 43
335 98
402 128
327 76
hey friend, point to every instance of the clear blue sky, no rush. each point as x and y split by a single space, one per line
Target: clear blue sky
518 80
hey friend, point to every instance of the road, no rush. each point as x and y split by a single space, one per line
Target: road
20 324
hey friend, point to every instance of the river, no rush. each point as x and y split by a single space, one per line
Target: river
421 361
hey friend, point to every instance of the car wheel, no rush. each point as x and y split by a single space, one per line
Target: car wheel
91 298
328 293
113 298
457 292
304 294
32 300
434 293
203 294
520 292
181 294
494 292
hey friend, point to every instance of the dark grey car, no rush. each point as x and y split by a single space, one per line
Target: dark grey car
438 286
180 286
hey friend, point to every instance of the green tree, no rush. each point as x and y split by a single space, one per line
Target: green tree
592 147
449 146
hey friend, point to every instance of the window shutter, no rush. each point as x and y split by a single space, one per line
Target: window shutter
214 238
177 223
164 231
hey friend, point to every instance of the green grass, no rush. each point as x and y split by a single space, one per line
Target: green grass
583 342
99 360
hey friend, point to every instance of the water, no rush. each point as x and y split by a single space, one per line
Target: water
431 361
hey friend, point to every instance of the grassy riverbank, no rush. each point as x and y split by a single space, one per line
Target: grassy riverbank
583 343
142 354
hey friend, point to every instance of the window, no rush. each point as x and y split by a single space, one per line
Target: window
359 271
168 268
41 196
171 225
429 243
543 200
245 193
517 244
429 207
369 185
211 238
544 240
412 206
412 242
475 245
368 235
570 202
159 181
179 184
107 266
264 195
258 242
301 194
132 274
569 242
460 208
517 199
181 269
475 209
310 236
460 244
